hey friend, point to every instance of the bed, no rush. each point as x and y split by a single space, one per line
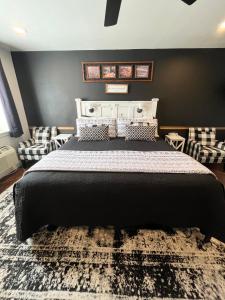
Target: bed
122 199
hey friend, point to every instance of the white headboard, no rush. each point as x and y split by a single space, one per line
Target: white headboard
117 109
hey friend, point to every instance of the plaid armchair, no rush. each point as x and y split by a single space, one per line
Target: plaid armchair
39 145
203 146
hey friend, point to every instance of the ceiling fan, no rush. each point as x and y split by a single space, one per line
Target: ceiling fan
113 9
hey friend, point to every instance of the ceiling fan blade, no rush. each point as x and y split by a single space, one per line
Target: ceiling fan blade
189 2
112 12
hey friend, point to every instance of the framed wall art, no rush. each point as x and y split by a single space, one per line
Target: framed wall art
141 71
125 71
92 72
117 71
108 72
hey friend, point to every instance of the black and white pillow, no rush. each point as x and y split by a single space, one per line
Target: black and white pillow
122 123
84 121
140 133
94 133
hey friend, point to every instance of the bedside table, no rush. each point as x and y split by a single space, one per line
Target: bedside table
176 141
61 139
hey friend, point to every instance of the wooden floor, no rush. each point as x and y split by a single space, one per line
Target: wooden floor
218 170
9 180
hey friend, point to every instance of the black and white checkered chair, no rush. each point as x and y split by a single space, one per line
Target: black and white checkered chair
39 145
203 146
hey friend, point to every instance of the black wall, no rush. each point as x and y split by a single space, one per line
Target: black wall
189 83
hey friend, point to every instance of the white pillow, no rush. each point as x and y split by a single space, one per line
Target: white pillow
122 123
85 121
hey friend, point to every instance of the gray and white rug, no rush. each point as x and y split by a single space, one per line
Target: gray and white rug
79 263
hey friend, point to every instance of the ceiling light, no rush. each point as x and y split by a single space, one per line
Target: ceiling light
20 30
221 27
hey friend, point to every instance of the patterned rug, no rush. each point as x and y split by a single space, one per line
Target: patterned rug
103 263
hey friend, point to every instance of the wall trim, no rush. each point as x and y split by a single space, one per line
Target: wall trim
187 127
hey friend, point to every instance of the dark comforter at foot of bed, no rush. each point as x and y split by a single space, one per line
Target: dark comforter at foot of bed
120 199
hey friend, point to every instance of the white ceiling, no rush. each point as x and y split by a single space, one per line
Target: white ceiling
78 24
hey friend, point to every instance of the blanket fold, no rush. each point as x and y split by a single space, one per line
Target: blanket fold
120 161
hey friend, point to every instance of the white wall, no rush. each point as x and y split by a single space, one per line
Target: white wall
8 67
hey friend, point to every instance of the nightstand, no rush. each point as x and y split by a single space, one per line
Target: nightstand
176 141
61 139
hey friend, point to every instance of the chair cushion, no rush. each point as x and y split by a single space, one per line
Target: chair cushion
42 136
31 157
38 149
210 151
206 136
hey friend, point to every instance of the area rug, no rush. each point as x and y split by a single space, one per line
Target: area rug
102 263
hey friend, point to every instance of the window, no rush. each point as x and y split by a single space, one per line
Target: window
3 122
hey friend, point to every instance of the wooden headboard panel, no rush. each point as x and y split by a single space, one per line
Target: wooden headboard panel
117 109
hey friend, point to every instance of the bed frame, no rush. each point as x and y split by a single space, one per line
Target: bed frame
117 109
117 198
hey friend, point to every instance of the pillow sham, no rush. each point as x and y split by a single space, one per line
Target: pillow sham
89 121
94 133
140 133
122 123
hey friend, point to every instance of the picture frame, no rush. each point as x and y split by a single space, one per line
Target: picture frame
92 72
117 71
125 71
142 71
115 88
109 71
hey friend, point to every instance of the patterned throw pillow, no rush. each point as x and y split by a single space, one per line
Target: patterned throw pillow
42 136
140 133
206 136
94 133
122 123
84 121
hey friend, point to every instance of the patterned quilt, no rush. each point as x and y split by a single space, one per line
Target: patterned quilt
120 161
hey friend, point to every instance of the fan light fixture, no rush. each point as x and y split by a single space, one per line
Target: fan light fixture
221 28
113 9
20 30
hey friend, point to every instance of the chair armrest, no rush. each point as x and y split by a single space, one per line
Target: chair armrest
26 143
193 148
220 145
51 145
